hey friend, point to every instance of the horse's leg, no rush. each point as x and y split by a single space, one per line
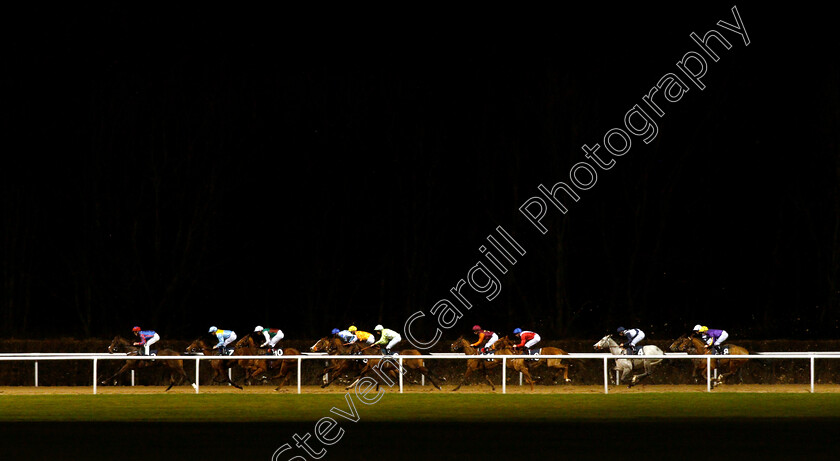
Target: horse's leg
282 374
227 378
368 366
464 378
425 372
335 373
184 375
126 367
527 375
487 376
172 375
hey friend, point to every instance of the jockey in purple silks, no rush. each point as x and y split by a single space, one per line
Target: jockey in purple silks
712 338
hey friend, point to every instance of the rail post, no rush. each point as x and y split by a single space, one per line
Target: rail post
606 377
298 373
520 378
94 376
401 376
709 374
132 378
617 376
36 373
504 375
812 374
197 362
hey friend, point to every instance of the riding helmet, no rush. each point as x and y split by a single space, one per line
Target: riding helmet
476 328
212 330
258 329
620 329
135 329
378 328
352 329
517 331
335 331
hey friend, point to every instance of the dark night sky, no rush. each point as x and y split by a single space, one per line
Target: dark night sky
308 169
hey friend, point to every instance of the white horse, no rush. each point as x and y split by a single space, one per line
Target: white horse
626 365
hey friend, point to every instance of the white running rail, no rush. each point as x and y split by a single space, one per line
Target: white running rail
36 357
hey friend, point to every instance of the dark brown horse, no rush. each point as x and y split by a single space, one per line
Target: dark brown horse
391 367
219 367
725 366
557 365
282 368
175 367
482 364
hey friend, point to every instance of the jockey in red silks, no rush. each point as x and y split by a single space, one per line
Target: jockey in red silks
528 339
147 338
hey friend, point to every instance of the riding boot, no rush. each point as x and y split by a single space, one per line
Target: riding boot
388 352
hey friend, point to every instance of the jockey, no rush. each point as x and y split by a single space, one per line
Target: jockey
712 338
363 336
147 338
484 335
528 340
632 337
225 337
389 339
346 336
272 336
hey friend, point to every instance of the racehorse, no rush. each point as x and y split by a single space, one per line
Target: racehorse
626 365
557 364
695 346
391 367
175 367
220 367
485 363
253 368
337 368
506 348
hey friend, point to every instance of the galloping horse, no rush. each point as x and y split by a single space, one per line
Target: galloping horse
520 365
391 368
253 368
626 365
556 364
485 363
219 367
338 368
695 346
175 367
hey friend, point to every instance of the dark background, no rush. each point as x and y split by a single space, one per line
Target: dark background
181 168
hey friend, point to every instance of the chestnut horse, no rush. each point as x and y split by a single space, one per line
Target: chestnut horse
485 363
726 366
557 365
337 368
506 348
220 367
391 367
175 367
254 368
